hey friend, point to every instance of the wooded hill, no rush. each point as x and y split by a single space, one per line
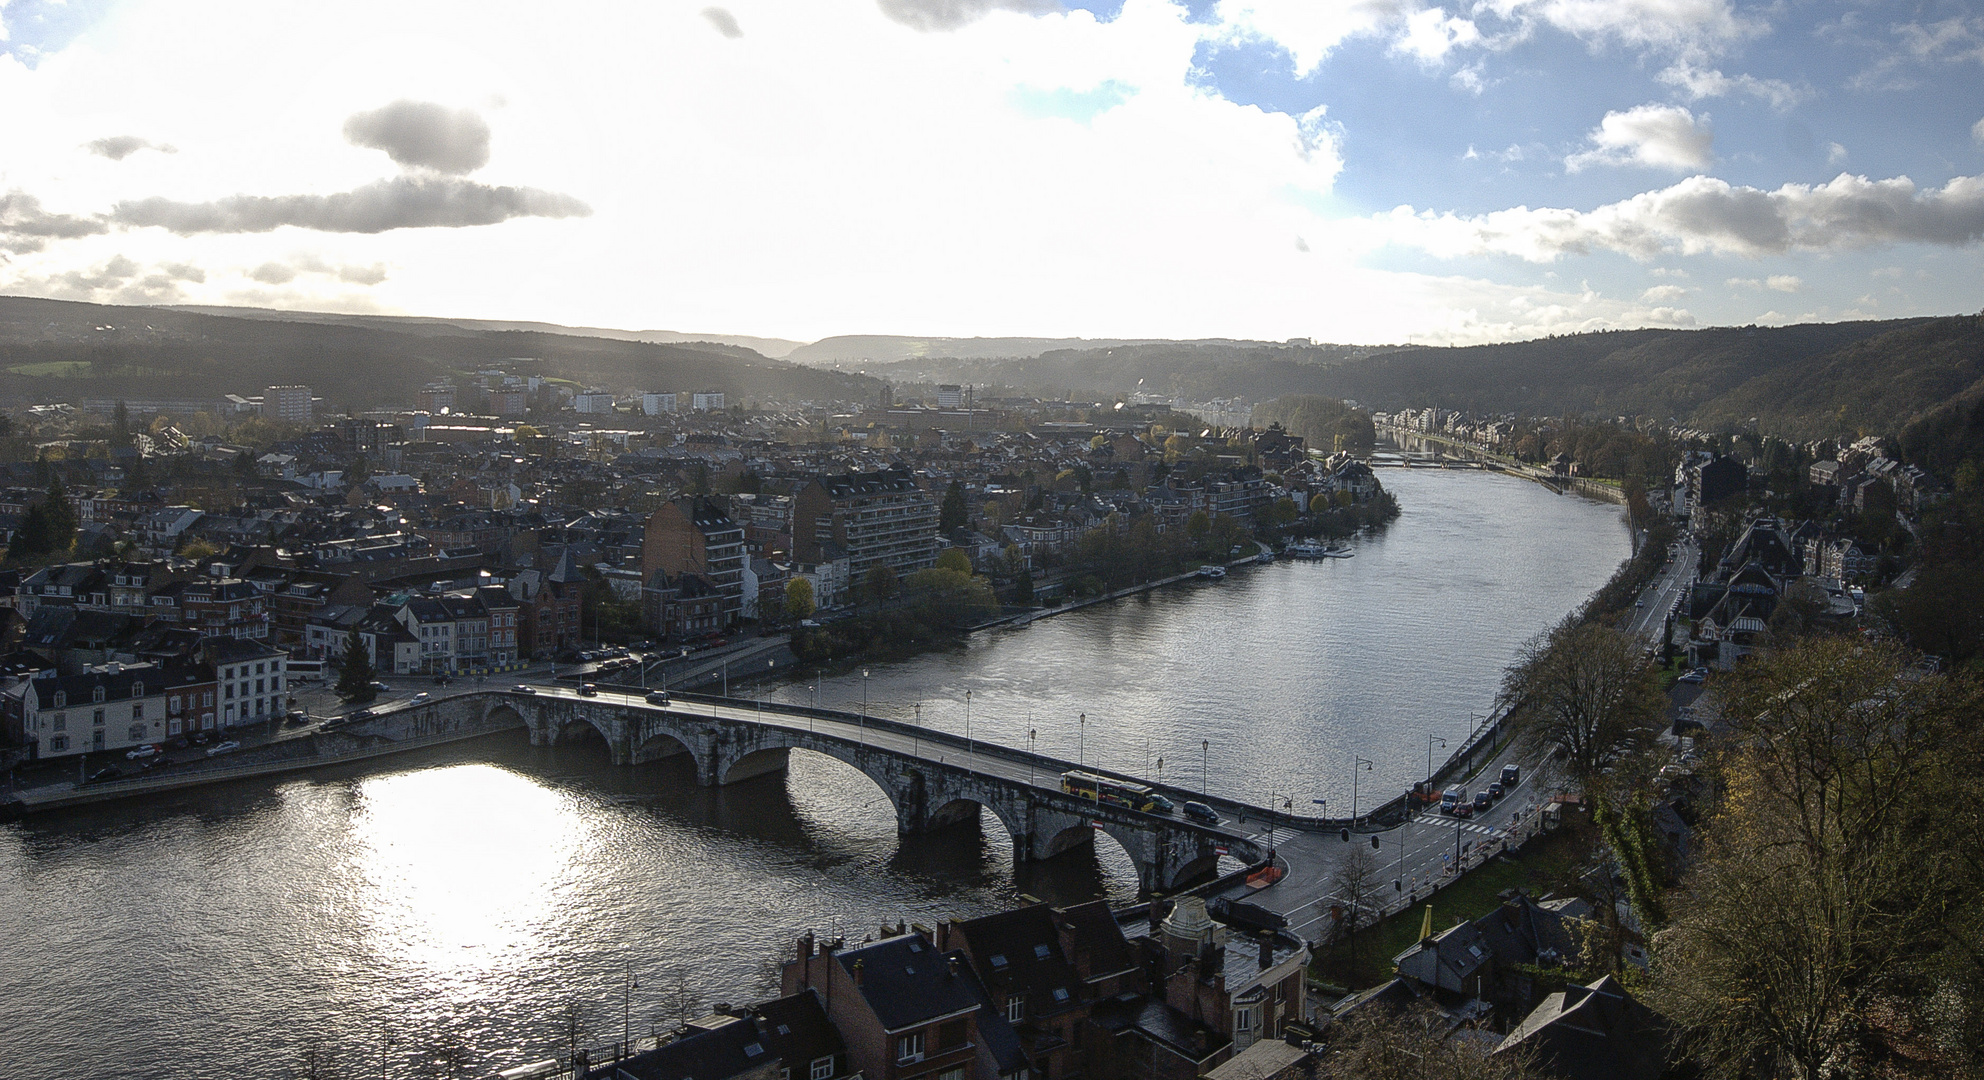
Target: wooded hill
53 350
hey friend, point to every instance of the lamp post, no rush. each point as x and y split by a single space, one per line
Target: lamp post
1081 744
863 730
1205 767
627 1010
916 735
1030 733
1366 766
1430 740
967 722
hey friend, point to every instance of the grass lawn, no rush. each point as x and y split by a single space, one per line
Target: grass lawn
60 369
1549 863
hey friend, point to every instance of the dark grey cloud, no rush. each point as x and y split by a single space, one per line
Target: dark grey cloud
119 147
421 134
184 272
930 15
273 273
724 21
108 276
407 202
25 227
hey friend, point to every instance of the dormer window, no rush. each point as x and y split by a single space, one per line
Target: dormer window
137 689
61 698
98 694
1040 952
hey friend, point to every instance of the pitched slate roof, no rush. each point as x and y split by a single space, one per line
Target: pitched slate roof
1595 1032
907 982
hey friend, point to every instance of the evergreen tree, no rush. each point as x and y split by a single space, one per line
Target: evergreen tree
1023 588
953 514
120 426
355 671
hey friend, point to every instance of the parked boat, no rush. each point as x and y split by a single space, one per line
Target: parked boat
1211 572
1305 549
1339 553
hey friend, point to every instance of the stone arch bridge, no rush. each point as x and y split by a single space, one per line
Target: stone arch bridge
932 779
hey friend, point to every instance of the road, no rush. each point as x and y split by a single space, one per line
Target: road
1665 591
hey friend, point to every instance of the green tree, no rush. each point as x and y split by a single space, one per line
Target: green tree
1283 512
1023 586
798 599
953 514
120 426
1197 528
954 560
355 670
880 584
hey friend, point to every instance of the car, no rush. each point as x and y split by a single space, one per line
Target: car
1511 776
1639 603
523 688
588 690
657 697
1158 804
200 738
1693 678
360 715
1483 800
108 772
1495 790
810 624
1463 810
140 753
1199 811
227 747
298 717
420 698
382 688
159 762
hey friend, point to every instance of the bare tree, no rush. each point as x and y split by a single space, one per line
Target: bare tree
1831 928
320 1064
1355 885
1413 1045
1582 693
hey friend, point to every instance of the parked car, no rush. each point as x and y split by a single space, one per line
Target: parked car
108 772
140 753
420 698
298 717
382 688
657 697
1495 790
159 762
360 715
1695 677
199 738
523 688
227 747
1199 811
588 690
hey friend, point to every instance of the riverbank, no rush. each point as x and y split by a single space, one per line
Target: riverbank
1605 490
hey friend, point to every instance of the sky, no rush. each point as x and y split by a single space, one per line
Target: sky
1357 171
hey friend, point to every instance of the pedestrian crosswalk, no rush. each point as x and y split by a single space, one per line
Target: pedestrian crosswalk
1456 823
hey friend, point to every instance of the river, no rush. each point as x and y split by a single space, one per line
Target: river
480 896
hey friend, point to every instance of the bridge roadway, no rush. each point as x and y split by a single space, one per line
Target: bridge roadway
933 779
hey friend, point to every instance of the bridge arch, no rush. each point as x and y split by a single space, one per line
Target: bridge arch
1133 844
961 809
502 714
577 728
740 762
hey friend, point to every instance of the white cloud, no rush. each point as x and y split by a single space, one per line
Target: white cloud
1706 215
1835 153
1977 131
1432 33
1308 30
1663 293
1657 136
1698 83
1784 283
1696 26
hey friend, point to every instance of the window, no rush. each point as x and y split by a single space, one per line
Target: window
173 726
259 668
61 699
207 698
1060 994
1243 1020
230 691
1040 952
61 722
58 744
97 695
998 960
1015 1009
137 689
910 1047
137 710
96 718
137 732
822 1068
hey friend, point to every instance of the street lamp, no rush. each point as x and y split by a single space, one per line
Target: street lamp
1081 744
1205 767
1030 733
916 735
1353 787
967 722
863 730
1430 740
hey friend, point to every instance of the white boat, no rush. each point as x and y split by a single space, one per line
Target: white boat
1339 553
1304 549
1211 572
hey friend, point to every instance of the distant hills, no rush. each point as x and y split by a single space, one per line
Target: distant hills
1810 381
54 350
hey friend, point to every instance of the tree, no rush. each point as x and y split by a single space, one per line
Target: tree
953 514
120 426
880 584
1413 1045
1354 884
954 560
798 599
355 670
1832 914
1023 586
1197 528
1581 692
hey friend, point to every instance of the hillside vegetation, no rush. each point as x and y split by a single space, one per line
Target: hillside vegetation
52 350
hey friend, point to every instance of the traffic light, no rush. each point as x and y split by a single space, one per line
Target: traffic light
1346 836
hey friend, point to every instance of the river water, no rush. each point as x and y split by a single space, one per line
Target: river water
482 896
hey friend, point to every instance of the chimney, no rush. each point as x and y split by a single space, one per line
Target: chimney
805 945
954 967
857 973
1267 952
